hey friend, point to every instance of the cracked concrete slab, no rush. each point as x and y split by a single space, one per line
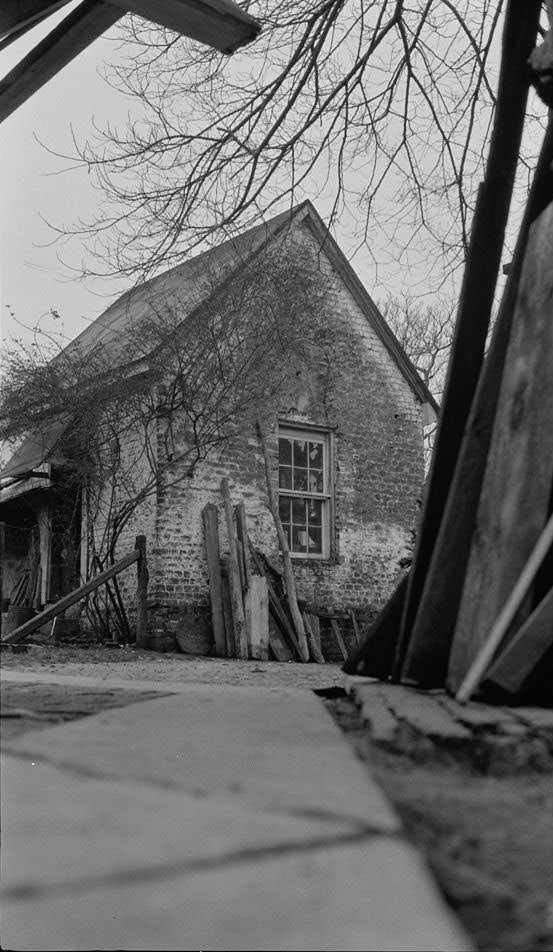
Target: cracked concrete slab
271 748
218 818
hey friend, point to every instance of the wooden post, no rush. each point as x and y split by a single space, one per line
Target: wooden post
141 593
230 648
515 664
257 614
338 638
237 605
211 532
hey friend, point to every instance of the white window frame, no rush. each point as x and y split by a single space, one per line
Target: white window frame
313 434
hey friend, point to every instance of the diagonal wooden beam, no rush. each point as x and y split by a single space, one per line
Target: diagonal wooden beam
217 23
69 38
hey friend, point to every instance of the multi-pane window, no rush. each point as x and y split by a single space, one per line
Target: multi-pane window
304 494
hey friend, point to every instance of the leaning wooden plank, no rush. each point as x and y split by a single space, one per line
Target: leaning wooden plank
491 644
477 293
211 533
242 533
230 649
21 633
236 601
429 647
275 604
338 638
75 32
516 491
257 614
374 656
513 665
355 626
312 630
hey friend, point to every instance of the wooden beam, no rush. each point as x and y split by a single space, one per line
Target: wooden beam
217 23
498 631
69 38
515 496
49 613
429 647
517 661
236 601
211 534
479 281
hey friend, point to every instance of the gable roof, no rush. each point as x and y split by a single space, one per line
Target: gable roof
190 285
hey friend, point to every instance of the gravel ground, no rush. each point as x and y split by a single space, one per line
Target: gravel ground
105 663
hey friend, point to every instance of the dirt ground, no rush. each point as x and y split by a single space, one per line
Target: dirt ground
488 839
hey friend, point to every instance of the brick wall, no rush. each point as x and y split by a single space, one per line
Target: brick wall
378 471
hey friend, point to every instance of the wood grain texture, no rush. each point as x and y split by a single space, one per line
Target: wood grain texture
517 483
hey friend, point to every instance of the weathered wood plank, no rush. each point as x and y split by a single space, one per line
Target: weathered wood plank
230 649
142 578
24 630
338 638
236 601
313 632
211 535
374 656
278 647
355 626
517 483
429 646
475 305
242 533
257 615
513 665
383 723
274 602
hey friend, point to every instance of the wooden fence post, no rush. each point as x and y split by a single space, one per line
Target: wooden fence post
141 593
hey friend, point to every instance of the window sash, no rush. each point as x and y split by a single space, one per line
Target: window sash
324 496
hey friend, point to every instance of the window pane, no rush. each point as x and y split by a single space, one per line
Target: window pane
286 529
315 481
315 539
315 512
285 477
285 451
316 455
300 480
284 508
300 453
299 540
298 512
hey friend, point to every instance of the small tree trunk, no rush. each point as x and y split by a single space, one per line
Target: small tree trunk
289 580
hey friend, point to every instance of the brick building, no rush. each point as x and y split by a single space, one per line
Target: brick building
346 446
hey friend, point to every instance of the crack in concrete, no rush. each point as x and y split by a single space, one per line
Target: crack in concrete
132 877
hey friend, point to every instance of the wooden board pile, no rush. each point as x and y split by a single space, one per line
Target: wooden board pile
476 610
249 609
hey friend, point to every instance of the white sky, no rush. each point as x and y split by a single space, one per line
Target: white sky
37 186
34 187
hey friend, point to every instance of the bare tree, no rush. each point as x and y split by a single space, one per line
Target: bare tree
425 332
387 106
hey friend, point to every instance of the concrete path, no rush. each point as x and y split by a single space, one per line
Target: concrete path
217 818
